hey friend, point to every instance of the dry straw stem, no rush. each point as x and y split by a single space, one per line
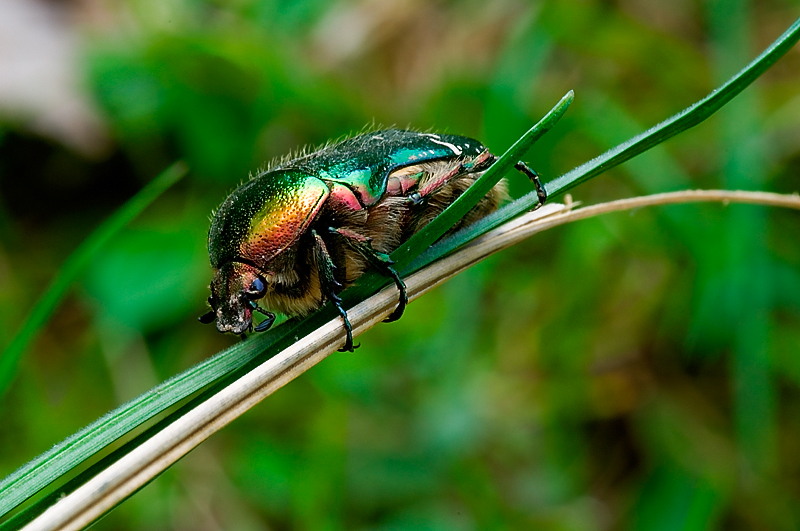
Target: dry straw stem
123 478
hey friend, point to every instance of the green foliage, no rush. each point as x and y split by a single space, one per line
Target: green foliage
87 251
633 371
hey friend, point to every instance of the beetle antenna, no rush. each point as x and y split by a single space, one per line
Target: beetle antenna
207 318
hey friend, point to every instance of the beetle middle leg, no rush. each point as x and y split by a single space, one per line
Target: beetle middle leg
381 262
329 285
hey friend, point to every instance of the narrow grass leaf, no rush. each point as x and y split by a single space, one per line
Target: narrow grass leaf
47 304
684 120
40 472
459 208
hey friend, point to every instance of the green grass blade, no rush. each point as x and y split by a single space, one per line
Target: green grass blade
65 456
436 228
678 123
47 304
682 121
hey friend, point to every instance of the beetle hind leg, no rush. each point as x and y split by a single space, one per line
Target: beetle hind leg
329 285
541 193
380 262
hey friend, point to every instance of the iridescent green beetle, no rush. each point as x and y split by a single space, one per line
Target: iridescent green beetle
296 234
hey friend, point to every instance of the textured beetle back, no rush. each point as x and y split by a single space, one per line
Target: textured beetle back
264 217
363 163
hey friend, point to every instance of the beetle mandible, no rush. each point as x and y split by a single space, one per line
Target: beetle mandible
298 233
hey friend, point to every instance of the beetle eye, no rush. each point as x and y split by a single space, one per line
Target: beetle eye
256 289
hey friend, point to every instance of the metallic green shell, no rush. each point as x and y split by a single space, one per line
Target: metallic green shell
264 216
268 214
363 163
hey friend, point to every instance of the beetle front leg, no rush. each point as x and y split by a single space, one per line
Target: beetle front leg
328 283
266 323
379 261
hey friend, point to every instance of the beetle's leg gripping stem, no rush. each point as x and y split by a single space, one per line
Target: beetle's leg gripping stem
534 177
266 323
381 262
329 284
520 166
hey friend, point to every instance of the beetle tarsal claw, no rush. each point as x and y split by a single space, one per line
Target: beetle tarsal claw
348 342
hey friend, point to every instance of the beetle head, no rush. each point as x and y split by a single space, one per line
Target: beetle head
235 288
255 226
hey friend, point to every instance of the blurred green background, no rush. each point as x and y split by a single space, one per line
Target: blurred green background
636 371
